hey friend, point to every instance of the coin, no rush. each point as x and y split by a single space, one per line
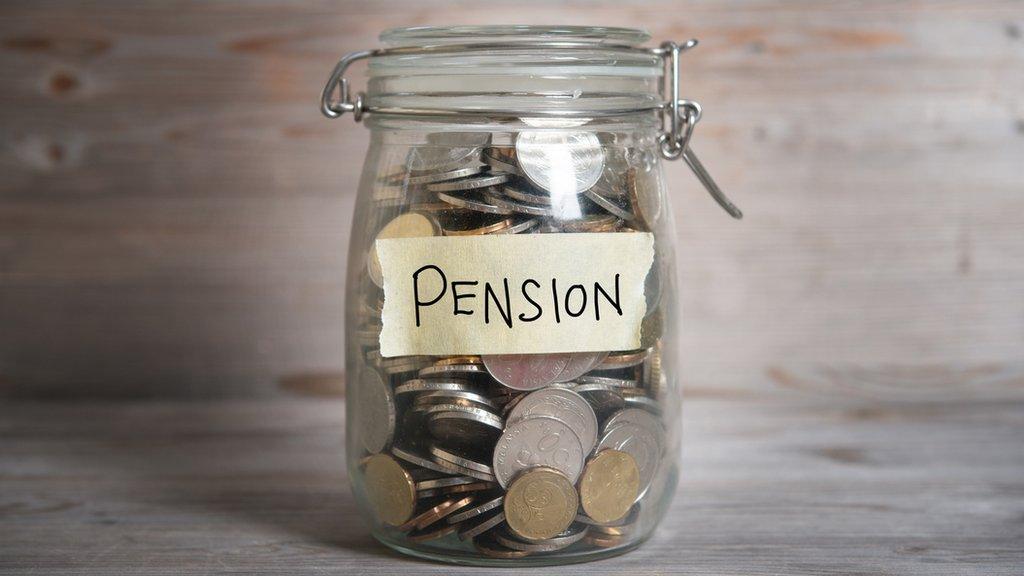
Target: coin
473 399
612 382
579 364
604 541
471 201
477 510
413 458
444 482
517 206
501 158
452 174
448 370
609 485
618 360
519 227
629 518
641 400
614 205
435 513
408 225
537 441
645 194
488 546
424 385
389 489
603 399
445 150
426 535
470 182
640 435
453 468
477 486
564 405
518 190
473 530
440 453
540 504
477 230
526 371
570 536
560 162
376 411
591 223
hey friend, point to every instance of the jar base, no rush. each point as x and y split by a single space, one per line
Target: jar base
462 555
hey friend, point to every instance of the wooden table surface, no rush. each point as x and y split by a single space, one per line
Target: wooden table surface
779 483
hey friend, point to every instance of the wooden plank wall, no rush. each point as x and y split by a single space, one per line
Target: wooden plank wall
174 210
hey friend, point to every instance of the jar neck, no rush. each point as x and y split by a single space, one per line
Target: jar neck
579 73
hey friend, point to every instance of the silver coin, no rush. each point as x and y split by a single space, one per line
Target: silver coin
579 364
452 370
476 414
424 385
617 206
635 415
375 406
516 206
445 396
539 441
453 174
560 162
470 183
525 371
420 461
454 468
564 405
613 382
603 399
440 453
501 158
518 228
641 401
482 526
444 482
462 425
477 510
472 202
445 150
640 437
523 193
476 486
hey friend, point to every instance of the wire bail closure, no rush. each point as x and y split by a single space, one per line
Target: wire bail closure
679 116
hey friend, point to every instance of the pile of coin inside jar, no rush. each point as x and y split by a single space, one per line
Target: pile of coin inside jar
514 455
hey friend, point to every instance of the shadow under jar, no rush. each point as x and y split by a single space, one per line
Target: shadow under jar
511 331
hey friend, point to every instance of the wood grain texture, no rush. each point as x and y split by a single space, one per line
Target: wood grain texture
174 211
771 485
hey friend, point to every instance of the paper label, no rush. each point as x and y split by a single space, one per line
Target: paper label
514 294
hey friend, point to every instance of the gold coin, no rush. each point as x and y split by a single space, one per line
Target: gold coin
408 225
609 485
540 503
390 489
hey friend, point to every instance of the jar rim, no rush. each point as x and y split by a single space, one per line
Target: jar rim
441 35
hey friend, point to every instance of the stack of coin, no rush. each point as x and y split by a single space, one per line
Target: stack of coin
512 455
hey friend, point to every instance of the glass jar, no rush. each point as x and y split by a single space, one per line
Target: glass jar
511 333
